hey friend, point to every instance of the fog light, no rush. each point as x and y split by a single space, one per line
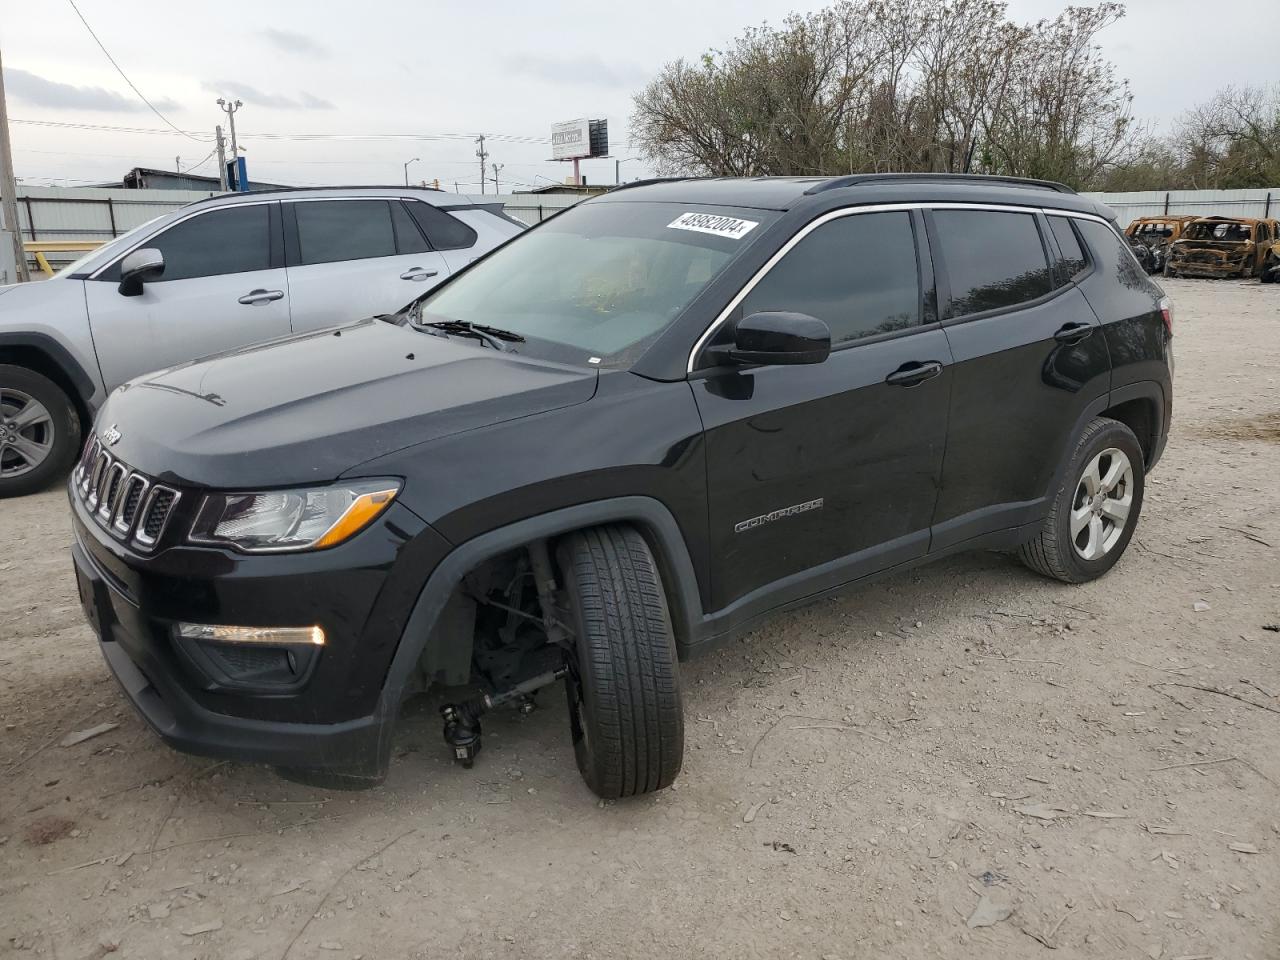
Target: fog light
219 633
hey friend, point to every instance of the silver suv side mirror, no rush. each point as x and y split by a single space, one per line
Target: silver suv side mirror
138 268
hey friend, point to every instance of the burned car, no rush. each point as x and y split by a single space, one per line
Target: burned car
1149 238
1222 247
1269 271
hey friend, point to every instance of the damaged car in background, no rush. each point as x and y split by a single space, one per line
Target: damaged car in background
1224 247
1150 237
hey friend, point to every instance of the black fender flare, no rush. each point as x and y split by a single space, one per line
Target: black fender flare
1138 390
651 516
60 356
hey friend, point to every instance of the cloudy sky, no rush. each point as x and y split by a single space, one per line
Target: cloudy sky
385 69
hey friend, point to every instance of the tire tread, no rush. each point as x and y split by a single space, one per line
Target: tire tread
628 648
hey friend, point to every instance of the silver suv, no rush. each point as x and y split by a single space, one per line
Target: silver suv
215 275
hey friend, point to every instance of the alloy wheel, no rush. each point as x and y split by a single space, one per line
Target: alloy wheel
1101 505
26 433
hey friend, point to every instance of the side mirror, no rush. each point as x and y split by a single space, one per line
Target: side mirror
780 337
139 267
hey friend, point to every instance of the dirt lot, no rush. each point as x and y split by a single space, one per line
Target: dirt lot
859 774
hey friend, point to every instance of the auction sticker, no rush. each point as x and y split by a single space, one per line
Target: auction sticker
716 225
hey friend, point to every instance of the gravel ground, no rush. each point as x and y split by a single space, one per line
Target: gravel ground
868 777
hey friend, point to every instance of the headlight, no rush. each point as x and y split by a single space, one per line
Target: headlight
281 520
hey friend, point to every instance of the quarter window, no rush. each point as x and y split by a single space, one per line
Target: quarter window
236 240
331 230
1072 262
858 274
444 232
993 260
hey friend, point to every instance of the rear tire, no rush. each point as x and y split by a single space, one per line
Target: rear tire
1267 274
625 711
1095 511
39 431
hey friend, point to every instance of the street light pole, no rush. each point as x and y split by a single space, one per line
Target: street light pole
406 168
617 167
230 110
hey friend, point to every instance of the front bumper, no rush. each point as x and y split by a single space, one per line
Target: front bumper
337 722
1208 268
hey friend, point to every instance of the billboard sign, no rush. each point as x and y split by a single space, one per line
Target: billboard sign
571 139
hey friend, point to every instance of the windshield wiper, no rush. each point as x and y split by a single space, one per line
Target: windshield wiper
496 337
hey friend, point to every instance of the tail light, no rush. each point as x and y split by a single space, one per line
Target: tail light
1166 311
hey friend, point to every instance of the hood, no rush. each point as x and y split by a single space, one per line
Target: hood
306 409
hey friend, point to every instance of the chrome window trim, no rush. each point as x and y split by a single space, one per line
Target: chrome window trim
812 225
168 226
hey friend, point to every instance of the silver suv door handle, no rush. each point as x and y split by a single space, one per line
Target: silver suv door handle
261 296
418 273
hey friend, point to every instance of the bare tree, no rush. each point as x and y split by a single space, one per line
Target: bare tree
930 85
1232 140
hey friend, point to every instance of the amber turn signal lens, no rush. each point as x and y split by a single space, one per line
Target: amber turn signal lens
358 516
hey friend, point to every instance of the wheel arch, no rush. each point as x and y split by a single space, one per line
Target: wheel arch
1140 407
656 523
44 355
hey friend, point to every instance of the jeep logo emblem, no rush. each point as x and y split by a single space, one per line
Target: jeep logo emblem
111 436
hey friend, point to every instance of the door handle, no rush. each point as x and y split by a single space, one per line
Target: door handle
418 273
1073 332
914 372
254 297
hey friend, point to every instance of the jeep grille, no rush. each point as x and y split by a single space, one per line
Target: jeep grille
127 503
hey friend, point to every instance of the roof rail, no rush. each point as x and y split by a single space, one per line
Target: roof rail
336 186
856 179
651 180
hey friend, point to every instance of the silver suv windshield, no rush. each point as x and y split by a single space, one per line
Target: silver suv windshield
601 281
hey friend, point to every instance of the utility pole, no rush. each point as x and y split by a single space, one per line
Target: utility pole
9 187
222 157
177 164
230 110
496 167
483 155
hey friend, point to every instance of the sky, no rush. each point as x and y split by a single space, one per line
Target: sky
418 80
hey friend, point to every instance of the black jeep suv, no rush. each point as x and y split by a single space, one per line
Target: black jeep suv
626 435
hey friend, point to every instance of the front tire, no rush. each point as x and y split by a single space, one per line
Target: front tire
1267 273
39 431
625 711
1096 509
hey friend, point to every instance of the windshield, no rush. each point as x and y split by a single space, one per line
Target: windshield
106 251
1218 231
601 281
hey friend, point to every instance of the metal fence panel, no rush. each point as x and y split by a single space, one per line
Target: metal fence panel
97 214
1199 203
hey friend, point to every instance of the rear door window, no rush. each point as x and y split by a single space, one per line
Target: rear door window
1072 263
994 260
858 274
409 238
332 230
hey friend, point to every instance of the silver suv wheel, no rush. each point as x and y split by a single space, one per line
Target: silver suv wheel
26 433
1100 508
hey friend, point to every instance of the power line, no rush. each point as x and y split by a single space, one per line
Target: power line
132 87
392 137
207 157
